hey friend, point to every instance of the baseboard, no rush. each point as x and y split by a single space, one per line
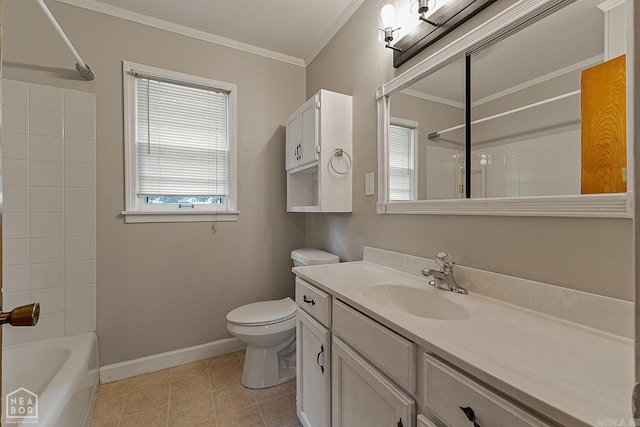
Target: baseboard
158 362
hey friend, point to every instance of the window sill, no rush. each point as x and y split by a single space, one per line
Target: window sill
134 217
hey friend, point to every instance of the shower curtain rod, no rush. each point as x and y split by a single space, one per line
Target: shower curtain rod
434 135
81 66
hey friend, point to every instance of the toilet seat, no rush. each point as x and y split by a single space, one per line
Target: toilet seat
263 313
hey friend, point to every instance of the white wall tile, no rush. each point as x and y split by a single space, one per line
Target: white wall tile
49 326
14 336
15 93
16 278
46 174
48 123
80 321
79 248
545 189
15 172
11 300
47 250
43 97
48 148
79 126
47 224
79 150
15 251
80 199
79 224
564 188
80 272
15 225
49 275
79 297
80 175
16 198
46 199
79 102
15 119
51 299
15 145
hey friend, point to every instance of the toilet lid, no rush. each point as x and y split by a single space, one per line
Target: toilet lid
263 312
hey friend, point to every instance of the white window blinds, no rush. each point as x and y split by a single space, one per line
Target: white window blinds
182 139
401 162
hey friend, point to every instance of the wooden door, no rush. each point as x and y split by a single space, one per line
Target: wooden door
313 372
604 133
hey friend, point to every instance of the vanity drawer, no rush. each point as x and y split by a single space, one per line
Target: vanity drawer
391 353
314 301
447 390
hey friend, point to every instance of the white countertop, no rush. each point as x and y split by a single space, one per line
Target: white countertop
572 374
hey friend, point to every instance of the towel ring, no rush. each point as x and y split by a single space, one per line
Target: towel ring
338 152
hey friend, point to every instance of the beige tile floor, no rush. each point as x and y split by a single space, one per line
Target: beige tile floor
205 393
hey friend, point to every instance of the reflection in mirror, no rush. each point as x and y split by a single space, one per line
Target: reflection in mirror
435 102
528 94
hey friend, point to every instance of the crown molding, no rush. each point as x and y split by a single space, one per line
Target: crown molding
610 4
161 24
422 95
346 14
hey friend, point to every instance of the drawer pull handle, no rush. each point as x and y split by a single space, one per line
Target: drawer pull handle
400 423
318 358
471 416
307 300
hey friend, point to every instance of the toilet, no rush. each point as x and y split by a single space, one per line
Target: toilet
269 330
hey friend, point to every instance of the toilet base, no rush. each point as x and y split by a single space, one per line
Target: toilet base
268 367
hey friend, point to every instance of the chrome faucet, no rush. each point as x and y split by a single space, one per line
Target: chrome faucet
443 277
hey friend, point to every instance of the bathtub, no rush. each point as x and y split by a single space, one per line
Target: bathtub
63 372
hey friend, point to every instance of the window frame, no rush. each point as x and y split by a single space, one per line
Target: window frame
135 211
413 126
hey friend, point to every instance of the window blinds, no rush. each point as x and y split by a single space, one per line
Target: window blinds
401 161
182 139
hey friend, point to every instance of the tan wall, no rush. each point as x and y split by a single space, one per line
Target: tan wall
593 255
168 286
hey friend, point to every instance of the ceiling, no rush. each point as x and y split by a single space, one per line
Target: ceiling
573 35
290 30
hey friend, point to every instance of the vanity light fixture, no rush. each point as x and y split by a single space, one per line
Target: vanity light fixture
388 15
421 8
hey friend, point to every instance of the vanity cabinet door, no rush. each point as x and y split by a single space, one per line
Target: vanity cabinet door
313 343
362 396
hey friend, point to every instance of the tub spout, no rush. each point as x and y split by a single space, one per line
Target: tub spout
26 315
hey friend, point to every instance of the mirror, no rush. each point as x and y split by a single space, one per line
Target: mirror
526 86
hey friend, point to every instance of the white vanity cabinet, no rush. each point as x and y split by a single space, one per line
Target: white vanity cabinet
362 396
319 141
355 371
313 348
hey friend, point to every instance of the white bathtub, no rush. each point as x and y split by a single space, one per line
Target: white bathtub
63 372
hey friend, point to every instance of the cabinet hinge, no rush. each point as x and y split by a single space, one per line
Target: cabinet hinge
318 105
317 149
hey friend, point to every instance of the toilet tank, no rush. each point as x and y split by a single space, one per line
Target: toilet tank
311 256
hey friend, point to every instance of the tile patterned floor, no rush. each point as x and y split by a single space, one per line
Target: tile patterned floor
205 393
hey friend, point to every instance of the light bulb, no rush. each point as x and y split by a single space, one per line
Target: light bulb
387 13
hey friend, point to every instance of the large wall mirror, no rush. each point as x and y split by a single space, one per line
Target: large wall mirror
524 115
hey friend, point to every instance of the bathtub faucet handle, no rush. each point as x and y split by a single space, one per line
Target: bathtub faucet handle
26 315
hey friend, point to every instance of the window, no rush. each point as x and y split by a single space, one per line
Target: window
402 160
180 147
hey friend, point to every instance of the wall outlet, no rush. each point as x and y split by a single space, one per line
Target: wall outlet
369 184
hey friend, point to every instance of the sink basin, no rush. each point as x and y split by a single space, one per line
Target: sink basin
417 302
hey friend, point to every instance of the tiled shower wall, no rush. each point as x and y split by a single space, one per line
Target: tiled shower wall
545 166
49 208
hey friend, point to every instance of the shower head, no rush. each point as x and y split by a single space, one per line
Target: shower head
85 71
